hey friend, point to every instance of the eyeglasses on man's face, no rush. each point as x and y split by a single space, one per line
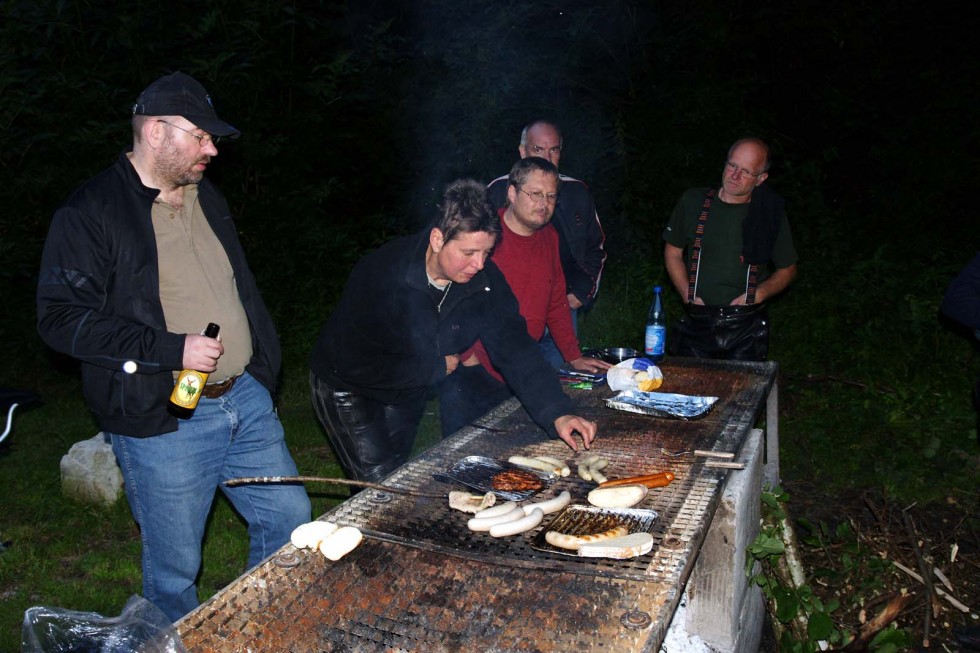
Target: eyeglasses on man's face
538 197
537 150
203 139
733 168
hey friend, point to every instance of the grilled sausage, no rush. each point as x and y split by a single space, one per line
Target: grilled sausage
599 464
584 467
550 505
662 479
516 526
535 463
498 509
515 480
483 524
574 542
565 471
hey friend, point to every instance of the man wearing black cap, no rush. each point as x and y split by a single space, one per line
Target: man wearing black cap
137 262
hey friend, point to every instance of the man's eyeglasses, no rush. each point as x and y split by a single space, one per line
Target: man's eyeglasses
538 197
537 150
202 139
733 168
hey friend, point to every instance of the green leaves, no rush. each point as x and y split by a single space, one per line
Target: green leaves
766 545
847 569
787 604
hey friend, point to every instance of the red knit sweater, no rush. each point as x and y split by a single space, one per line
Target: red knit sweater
532 267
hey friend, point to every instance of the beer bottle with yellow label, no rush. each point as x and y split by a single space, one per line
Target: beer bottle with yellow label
190 383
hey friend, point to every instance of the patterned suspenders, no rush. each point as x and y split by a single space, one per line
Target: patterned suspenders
752 278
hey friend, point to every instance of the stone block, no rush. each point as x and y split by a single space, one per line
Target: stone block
719 592
90 473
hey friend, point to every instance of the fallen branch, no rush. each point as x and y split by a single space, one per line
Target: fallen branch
926 578
942 578
956 604
887 615
787 568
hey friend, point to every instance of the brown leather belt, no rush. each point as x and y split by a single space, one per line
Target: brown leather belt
215 390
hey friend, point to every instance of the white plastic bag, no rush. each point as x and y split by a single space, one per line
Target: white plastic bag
141 627
634 374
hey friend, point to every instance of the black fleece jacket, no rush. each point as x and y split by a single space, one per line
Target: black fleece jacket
387 340
98 300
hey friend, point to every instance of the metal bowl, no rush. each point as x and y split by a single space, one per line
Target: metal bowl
618 354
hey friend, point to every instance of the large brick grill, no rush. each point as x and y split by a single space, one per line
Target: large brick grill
422 581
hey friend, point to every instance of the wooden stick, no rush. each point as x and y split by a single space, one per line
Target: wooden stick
713 454
956 604
942 578
724 464
926 579
322 479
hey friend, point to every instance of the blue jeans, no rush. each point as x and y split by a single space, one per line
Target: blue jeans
171 480
547 343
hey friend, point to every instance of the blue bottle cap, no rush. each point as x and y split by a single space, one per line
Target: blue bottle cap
657 289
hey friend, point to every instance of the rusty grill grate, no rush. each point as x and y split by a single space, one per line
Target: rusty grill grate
452 590
632 443
374 602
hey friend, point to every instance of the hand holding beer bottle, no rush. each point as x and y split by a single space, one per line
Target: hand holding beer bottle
190 382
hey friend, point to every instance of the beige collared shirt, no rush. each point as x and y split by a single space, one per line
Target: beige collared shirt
197 283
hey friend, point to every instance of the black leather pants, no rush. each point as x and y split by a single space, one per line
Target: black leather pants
738 333
370 439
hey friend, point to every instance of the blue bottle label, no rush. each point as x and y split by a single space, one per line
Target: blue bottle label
656 339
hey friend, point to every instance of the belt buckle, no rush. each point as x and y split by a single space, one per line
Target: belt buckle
215 390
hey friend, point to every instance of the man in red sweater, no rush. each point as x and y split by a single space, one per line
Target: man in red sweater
527 254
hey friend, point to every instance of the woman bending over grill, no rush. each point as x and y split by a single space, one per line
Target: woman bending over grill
408 310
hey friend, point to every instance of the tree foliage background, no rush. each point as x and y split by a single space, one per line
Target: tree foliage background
355 115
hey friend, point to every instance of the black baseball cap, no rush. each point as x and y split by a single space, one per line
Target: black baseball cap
179 94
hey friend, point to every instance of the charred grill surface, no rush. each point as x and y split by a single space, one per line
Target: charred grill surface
632 443
421 581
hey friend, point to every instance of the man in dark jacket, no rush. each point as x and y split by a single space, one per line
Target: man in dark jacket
137 262
580 237
408 310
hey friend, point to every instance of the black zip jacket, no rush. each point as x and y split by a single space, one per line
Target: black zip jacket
98 300
387 340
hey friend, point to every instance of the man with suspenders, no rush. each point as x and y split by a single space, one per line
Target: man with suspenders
728 250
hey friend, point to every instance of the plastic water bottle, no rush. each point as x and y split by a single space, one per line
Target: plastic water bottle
656 333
